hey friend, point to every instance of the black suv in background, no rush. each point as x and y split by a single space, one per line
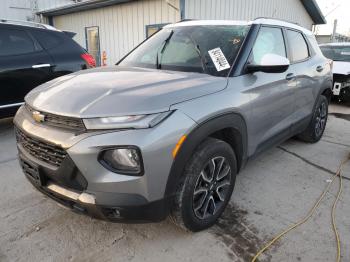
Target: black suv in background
31 54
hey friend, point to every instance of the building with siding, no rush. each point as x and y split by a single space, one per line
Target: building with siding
338 38
18 10
109 29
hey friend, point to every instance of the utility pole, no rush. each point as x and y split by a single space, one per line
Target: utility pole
334 30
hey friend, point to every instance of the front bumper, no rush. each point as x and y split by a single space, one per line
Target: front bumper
83 184
117 207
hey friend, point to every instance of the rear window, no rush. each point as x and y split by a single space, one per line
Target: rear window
298 46
47 39
337 53
15 42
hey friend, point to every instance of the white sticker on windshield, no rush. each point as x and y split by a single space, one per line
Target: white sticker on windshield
219 59
345 53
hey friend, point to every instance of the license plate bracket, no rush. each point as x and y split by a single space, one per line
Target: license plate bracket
32 171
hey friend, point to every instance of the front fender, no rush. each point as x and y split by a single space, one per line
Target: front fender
227 120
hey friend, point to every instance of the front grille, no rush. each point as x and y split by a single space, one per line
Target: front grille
64 122
48 153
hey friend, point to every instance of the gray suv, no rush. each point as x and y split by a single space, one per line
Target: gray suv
167 129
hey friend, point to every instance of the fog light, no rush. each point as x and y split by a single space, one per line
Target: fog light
122 160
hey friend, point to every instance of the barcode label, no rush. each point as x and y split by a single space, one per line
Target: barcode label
219 59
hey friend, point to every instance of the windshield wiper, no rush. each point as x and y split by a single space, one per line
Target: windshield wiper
204 61
202 58
162 48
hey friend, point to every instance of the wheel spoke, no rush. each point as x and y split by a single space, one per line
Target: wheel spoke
200 191
322 124
219 167
220 195
212 167
224 173
205 177
201 202
219 189
207 204
223 184
211 199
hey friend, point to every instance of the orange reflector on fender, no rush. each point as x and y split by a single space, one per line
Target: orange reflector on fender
178 145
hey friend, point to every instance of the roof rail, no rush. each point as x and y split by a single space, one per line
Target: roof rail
27 23
186 20
278 19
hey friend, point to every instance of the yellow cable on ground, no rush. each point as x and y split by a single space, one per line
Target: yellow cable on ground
310 213
333 216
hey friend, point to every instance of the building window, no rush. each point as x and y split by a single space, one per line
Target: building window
151 29
93 43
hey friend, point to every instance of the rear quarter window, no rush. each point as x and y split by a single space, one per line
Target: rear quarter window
313 42
47 39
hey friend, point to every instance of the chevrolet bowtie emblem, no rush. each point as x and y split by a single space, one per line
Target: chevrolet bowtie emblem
38 117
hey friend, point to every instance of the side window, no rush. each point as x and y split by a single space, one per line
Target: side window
298 46
15 42
47 39
269 41
314 44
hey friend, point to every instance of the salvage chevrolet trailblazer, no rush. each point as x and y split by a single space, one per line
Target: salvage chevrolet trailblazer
167 129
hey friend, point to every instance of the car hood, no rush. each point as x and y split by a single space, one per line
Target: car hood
117 91
340 67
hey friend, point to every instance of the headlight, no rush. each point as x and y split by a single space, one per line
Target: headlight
121 122
122 160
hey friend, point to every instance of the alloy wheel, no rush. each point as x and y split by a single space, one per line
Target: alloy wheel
212 187
321 119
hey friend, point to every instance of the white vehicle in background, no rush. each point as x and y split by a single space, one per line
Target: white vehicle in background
340 54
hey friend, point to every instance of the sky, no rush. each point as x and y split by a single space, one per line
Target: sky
335 9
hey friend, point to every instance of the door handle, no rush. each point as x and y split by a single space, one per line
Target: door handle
319 68
41 65
290 76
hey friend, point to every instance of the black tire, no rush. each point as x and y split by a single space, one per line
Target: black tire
314 131
209 155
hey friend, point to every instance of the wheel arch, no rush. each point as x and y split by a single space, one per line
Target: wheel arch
327 92
229 127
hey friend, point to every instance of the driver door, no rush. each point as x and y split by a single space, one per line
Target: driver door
272 96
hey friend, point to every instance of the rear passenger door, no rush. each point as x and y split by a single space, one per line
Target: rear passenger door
272 94
23 65
305 70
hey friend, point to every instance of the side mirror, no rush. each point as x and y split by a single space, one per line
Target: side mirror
270 63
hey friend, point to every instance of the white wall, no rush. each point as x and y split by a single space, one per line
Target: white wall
16 9
121 26
50 4
292 10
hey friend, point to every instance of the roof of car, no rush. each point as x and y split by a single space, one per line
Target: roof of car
27 24
336 44
265 21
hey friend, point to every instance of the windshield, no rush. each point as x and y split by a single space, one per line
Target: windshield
204 49
336 53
